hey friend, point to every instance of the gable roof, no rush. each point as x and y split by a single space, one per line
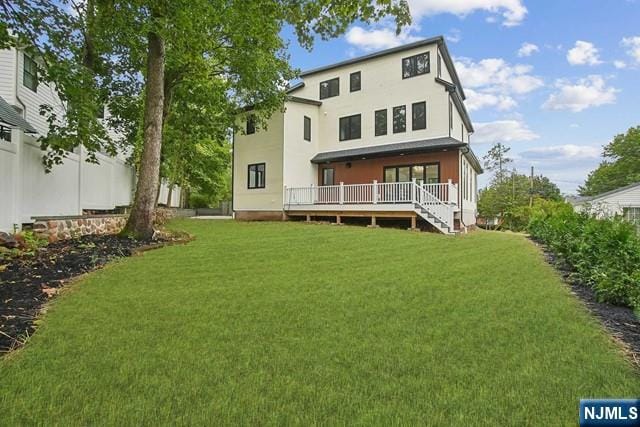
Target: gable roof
457 100
439 40
11 117
580 200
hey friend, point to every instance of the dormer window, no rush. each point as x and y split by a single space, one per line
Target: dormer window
330 88
415 65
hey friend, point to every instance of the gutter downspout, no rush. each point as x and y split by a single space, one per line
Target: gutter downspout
15 87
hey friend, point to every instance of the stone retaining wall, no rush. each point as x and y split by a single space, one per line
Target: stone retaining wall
61 228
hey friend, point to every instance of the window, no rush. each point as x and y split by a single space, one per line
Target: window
450 115
256 176
461 132
354 81
415 65
307 128
350 127
330 88
251 125
419 116
399 119
327 176
423 173
30 73
5 134
439 66
100 112
381 122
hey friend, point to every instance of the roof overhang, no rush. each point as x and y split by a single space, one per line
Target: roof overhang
10 117
398 148
458 101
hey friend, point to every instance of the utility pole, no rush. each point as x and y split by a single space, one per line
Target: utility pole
531 188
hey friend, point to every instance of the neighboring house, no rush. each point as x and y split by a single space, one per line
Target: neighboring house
383 135
624 201
26 191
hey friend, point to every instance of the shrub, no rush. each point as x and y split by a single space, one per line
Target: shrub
604 253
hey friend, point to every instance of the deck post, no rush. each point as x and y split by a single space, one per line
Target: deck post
338 220
449 190
314 199
341 193
373 222
374 192
413 223
308 218
413 190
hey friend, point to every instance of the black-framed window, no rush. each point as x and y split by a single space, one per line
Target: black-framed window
328 176
5 133
330 88
424 173
419 115
350 127
30 73
439 66
307 128
256 175
400 119
450 114
355 81
251 125
415 65
381 122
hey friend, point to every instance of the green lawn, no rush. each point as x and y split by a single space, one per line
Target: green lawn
288 323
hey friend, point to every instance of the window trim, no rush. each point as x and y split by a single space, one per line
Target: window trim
34 75
386 122
410 166
329 88
414 65
264 176
333 176
393 114
307 120
359 74
413 115
349 138
7 131
439 65
250 127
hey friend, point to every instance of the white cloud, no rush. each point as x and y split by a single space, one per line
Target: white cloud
454 35
378 38
513 12
619 64
527 49
583 53
567 152
574 125
496 75
591 91
479 100
633 43
503 131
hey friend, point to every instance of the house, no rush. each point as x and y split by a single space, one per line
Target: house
384 135
72 188
624 201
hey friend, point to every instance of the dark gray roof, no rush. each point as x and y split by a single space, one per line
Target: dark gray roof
470 155
388 149
585 199
296 86
438 39
303 100
11 117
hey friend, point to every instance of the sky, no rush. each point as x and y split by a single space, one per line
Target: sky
555 80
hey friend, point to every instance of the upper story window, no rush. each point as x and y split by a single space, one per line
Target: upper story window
330 88
354 81
419 116
307 128
30 73
251 125
256 175
5 133
381 122
439 66
450 115
399 119
350 127
415 65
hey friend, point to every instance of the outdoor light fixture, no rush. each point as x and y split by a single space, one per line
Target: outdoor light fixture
348 165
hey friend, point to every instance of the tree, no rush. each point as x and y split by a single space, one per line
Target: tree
620 167
496 159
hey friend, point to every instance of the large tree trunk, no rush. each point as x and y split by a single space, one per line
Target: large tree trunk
140 223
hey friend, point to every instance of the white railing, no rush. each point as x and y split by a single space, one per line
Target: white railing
374 193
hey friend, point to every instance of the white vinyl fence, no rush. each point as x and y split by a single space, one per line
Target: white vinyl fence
26 191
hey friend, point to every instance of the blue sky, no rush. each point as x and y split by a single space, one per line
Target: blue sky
554 80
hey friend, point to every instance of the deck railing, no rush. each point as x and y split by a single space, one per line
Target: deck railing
374 193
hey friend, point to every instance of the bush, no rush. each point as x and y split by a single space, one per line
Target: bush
604 253
197 200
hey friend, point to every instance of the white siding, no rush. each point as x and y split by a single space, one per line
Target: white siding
612 204
298 169
7 73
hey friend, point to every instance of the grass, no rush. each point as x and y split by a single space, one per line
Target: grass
284 323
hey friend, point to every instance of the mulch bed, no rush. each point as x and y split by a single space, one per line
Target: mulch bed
621 322
28 282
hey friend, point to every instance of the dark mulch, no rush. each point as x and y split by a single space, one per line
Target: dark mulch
621 322
28 282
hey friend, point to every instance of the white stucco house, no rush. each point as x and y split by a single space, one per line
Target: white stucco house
624 201
72 188
385 135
